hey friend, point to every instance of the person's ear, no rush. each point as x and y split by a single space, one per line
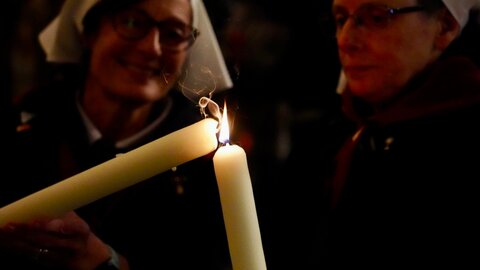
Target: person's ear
449 29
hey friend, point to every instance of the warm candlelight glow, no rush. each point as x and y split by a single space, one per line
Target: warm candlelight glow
238 203
224 136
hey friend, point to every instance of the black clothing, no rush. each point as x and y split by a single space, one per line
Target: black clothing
409 184
172 221
396 189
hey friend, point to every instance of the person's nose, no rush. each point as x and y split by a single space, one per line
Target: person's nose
151 42
349 36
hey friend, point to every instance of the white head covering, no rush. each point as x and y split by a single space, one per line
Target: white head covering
61 41
460 9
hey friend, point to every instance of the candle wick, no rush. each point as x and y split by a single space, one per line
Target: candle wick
225 143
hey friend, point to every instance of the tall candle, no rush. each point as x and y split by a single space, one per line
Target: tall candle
118 173
238 205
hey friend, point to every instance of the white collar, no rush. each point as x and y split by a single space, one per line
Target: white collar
94 134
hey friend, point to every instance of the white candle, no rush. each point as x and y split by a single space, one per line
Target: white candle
116 174
238 205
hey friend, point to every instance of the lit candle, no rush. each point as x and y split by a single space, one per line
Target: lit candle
118 173
238 205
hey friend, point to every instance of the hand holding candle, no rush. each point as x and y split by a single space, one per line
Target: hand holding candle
125 170
238 205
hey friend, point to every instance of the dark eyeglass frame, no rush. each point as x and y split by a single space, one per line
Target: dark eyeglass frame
369 22
175 44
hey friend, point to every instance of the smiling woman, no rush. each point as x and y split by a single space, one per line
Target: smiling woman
121 90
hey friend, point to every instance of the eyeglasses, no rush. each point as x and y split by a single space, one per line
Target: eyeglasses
136 24
371 16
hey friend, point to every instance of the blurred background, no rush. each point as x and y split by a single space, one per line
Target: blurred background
283 64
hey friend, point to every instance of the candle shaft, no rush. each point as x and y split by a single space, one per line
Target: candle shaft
238 206
116 174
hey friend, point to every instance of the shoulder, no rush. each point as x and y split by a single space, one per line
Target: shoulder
46 99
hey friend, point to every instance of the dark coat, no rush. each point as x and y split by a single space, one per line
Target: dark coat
406 189
172 221
403 193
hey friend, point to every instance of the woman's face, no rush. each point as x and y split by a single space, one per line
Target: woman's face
138 70
380 55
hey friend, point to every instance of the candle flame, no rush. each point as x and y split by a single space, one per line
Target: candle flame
224 136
